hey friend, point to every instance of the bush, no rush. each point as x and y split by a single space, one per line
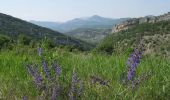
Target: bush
4 40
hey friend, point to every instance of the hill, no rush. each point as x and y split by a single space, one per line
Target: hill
47 24
90 35
77 23
136 21
14 27
154 36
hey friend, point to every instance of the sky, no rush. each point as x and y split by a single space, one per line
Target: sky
64 10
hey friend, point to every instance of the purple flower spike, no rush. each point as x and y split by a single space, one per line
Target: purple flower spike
31 70
39 50
74 78
133 63
24 98
73 88
57 69
46 70
37 77
55 92
38 80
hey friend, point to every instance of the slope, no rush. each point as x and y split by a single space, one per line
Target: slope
90 35
154 36
13 27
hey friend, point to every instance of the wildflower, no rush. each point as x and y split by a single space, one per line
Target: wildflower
46 70
39 50
73 90
24 98
74 78
37 78
55 93
74 82
133 63
57 69
31 70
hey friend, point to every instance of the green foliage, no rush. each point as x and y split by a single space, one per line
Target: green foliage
15 81
4 40
24 40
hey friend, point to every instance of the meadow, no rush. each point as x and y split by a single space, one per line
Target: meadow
17 84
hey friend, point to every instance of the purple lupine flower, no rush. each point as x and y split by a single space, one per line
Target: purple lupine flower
24 98
74 81
46 70
38 80
73 89
74 78
133 63
31 70
57 68
37 77
39 50
80 90
55 93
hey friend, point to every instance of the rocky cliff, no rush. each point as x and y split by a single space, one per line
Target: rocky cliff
135 21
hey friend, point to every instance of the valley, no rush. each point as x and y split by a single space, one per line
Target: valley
122 56
90 29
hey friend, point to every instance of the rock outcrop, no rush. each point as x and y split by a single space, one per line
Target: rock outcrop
135 21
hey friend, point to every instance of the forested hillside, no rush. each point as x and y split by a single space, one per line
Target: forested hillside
12 28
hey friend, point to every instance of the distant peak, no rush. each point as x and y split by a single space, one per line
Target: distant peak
96 16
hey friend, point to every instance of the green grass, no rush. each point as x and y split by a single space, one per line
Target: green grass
15 81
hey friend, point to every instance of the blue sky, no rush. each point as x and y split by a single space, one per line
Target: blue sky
63 10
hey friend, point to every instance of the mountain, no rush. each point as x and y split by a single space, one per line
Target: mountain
90 29
14 27
153 34
88 22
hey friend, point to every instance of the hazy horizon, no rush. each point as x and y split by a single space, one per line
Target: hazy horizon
64 10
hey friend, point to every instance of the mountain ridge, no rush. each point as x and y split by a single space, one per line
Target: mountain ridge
135 21
153 34
86 22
